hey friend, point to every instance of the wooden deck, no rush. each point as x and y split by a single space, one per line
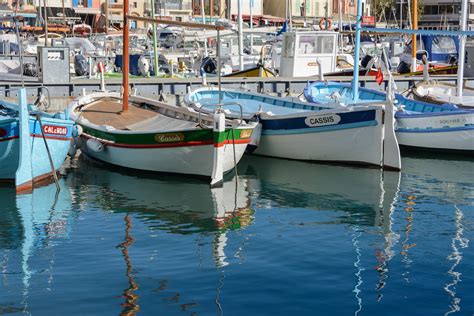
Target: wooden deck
109 112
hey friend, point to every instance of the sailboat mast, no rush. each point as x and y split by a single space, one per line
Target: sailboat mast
125 56
45 6
462 49
413 37
241 39
355 80
155 48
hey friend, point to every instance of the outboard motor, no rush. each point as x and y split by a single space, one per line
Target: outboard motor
365 61
29 69
143 66
403 68
81 66
209 65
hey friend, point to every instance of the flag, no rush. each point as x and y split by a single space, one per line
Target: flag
379 76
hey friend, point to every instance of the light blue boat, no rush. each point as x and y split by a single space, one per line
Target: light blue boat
298 130
33 143
420 125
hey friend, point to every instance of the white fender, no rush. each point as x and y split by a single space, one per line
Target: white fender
254 139
72 148
94 145
218 159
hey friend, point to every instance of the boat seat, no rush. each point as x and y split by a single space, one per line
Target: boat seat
161 123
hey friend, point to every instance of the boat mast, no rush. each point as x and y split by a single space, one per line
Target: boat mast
413 37
204 22
125 56
45 6
462 45
355 80
155 49
241 39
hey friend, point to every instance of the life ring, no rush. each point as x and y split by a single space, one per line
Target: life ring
322 24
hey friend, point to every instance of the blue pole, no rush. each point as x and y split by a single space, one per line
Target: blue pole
355 80
24 174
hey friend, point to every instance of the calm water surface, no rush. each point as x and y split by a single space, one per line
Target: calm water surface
282 238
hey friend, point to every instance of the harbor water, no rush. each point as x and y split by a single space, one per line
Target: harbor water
280 238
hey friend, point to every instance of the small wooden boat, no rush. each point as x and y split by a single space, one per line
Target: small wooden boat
33 143
155 136
441 93
296 130
419 124
258 71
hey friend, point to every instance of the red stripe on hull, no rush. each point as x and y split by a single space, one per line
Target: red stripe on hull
229 142
38 181
38 136
8 138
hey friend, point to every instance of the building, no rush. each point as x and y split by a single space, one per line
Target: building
300 9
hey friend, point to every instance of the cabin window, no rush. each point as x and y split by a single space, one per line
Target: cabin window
320 44
443 45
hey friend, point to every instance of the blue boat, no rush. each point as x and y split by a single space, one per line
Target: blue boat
298 130
33 143
419 124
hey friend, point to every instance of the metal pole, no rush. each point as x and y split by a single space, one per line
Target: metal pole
125 56
401 14
46 23
106 16
413 38
241 39
326 16
462 49
155 48
204 22
341 42
290 13
355 80
219 65
251 27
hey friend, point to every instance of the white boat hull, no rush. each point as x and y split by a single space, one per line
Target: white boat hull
355 145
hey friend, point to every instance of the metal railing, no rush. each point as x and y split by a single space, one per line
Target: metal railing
39 89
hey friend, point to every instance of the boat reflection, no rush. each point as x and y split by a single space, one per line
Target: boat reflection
31 223
164 202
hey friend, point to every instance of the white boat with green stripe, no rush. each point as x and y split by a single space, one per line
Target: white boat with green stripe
156 136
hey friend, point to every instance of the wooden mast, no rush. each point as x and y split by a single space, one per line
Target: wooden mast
125 56
413 38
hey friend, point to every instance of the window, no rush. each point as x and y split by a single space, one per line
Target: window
135 4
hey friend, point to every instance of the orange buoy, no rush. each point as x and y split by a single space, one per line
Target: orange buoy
322 24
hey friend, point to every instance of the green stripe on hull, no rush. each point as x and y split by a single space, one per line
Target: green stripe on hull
204 135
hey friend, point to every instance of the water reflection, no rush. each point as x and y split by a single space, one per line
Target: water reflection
378 215
458 241
31 223
130 306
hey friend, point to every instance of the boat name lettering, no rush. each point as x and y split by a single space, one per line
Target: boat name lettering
3 132
451 121
169 138
246 133
55 130
322 120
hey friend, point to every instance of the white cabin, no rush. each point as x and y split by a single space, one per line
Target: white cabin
302 49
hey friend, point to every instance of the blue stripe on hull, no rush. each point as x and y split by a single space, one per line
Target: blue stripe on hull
319 129
299 122
436 130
